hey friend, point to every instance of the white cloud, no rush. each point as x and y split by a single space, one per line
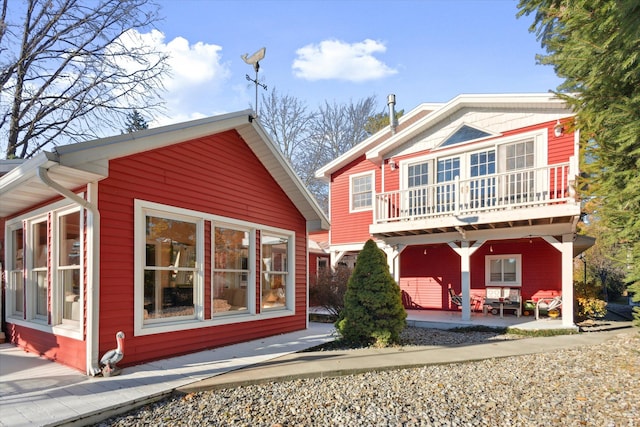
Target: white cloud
335 59
196 74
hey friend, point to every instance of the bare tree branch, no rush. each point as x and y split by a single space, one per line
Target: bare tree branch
75 70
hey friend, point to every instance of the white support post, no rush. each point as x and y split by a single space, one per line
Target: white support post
565 247
465 251
567 280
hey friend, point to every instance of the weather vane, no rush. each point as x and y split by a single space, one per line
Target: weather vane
255 61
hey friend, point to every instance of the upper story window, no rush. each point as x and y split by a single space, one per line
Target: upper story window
463 134
503 270
361 190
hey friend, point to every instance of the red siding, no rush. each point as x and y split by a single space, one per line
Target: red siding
218 175
61 349
349 227
426 277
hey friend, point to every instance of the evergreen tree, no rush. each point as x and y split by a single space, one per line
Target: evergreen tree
135 122
594 45
373 312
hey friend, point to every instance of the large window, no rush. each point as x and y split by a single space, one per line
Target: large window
69 266
361 192
230 270
275 270
448 170
37 289
170 267
182 284
417 180
44 262
16 273
519 159
504 270
483 185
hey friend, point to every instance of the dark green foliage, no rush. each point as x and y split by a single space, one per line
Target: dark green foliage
594 45
135 122
373 313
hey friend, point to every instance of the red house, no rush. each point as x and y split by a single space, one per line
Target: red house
185 237
472 201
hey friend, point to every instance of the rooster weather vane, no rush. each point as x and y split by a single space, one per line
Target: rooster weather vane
254 60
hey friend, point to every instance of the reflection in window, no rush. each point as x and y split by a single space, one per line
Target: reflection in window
361 192
17 274
170 268
504 269
69 265
39 272
274 270
230 270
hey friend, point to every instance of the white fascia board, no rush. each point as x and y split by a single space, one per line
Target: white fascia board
466 101
83 153
272 158
324 173
26 171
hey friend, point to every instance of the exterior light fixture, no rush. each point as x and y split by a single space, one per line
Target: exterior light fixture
392 165
558 129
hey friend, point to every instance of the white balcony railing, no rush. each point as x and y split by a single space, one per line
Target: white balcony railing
518 189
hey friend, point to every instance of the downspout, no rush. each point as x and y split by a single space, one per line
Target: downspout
93 267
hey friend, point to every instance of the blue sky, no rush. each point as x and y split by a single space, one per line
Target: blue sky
337 51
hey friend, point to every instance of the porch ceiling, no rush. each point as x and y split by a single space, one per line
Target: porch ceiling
419 229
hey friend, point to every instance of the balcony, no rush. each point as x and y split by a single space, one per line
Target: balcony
525 197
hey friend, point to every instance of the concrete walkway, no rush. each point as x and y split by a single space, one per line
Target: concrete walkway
36 392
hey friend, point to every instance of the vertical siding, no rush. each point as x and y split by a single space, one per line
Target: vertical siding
219 175
347 227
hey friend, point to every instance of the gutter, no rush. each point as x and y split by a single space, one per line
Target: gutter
93 267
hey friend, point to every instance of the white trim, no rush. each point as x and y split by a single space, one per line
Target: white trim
487 269
290 276
141 208
52 323
372 175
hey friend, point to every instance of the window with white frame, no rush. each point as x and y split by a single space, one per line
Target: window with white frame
230 269
37 276
44 269
170 269
361 190
16 271
503 270
68 267
276 281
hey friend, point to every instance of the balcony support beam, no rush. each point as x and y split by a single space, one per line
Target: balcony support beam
465 251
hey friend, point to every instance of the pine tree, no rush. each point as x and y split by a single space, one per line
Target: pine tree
135 122
373 312
594 45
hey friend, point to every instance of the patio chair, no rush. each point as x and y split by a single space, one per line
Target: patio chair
474 301
548 304
408 303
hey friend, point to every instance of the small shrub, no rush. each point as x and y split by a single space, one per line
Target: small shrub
590 308
588 305
373 313
329 290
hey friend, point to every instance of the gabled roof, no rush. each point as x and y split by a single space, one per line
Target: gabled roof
375 148
75 165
